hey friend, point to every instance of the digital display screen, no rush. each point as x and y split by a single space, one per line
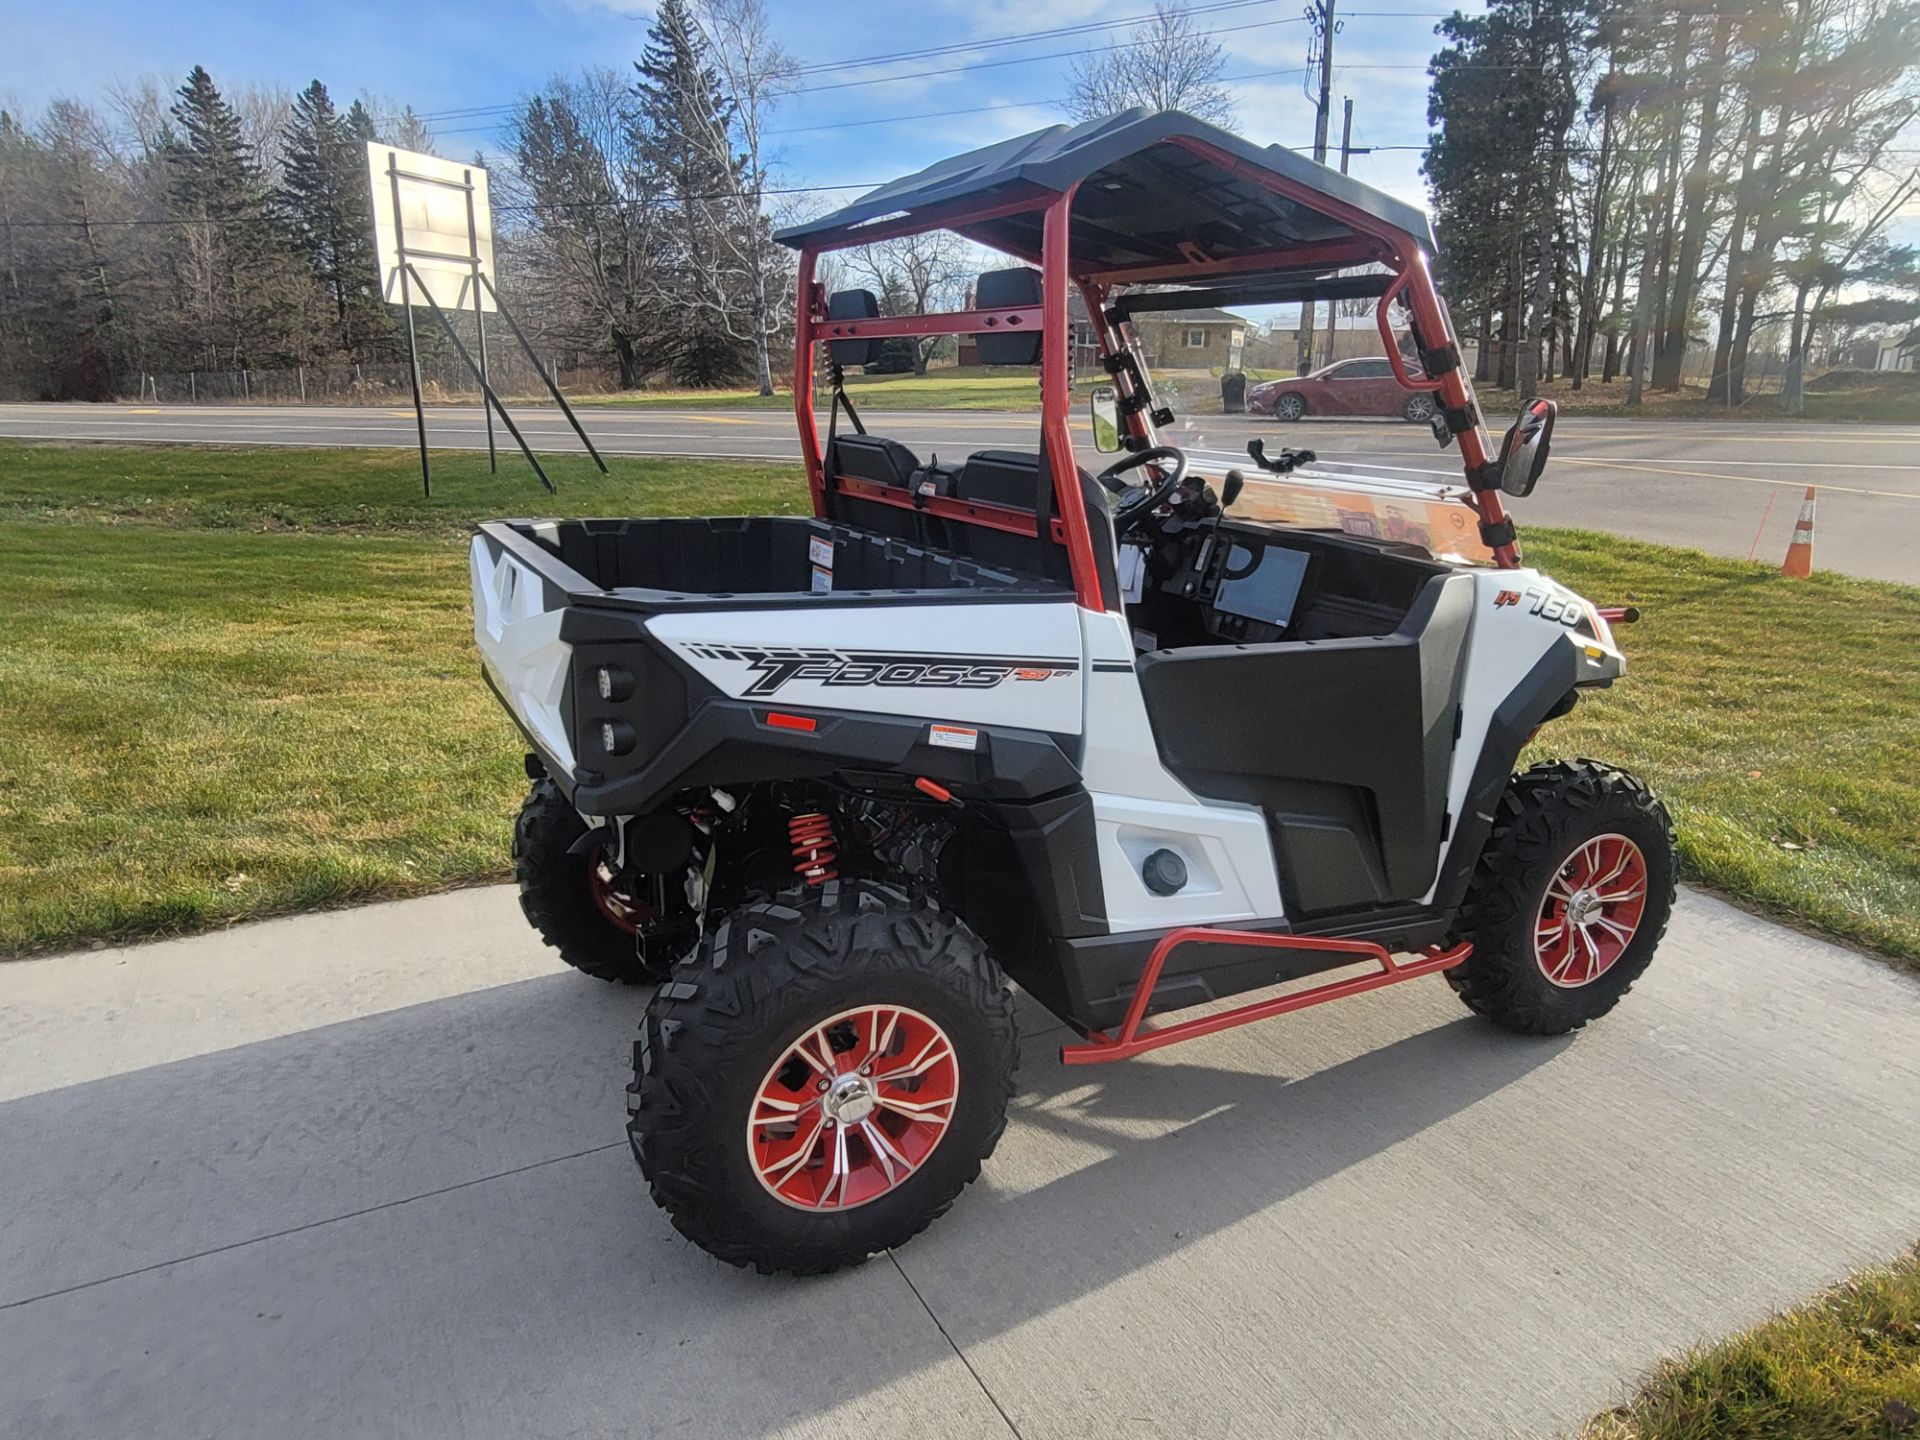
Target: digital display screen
1261 584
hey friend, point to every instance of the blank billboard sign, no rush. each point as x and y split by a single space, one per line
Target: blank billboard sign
444 219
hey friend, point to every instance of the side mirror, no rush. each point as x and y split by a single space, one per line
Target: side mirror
1523 453
1104 403
1231 484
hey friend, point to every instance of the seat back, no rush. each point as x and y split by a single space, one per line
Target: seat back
853 305
879 461
1008 290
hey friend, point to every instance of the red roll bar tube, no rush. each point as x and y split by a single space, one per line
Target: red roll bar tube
1133 1040
1374 241
1056 400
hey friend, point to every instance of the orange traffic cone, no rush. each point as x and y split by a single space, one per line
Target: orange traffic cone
1799 562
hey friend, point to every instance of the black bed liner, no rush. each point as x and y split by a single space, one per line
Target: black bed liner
750 562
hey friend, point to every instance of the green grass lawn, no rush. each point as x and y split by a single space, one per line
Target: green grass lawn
201 726
373 491
212 707
1893 403
1844 1366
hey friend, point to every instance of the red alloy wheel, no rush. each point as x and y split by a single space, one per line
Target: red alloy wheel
613 900
853 1108
1591 909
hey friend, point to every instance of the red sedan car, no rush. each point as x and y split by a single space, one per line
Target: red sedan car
1347 387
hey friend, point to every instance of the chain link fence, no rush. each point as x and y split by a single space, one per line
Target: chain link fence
443 378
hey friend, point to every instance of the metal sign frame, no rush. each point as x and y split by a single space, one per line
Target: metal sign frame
476 283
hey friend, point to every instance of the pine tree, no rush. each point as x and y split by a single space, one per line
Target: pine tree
584 252
683 107
359 123
324 200
233 267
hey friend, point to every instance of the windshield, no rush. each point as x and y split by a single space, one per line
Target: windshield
1372 476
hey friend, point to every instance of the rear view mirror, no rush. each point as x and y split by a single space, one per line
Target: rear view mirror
1523 454
1104 402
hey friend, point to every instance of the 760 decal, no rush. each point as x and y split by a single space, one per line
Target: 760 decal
774 666
1567 610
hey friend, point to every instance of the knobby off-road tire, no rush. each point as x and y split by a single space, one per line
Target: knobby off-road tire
557 892
718 1053
1559 831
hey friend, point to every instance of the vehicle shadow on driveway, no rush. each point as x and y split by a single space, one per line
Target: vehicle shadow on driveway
433 1208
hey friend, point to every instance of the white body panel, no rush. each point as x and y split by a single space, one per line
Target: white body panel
1506 642
712 642
1138 807
520 645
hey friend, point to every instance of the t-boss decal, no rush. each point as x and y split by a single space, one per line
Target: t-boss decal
1567 610
775 666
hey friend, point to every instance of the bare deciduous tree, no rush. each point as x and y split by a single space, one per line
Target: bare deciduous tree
582 220
1167 63
918 274
752 287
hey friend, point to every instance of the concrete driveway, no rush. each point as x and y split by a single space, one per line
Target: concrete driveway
363 1173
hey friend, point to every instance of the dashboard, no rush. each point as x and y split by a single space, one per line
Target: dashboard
1248 583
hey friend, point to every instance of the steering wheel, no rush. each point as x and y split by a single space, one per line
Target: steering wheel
1139 501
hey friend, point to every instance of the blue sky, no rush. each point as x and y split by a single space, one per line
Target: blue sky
439 56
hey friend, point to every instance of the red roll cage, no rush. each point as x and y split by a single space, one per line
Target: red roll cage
1373 240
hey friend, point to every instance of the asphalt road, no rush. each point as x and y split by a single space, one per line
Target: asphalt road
1725 487
363 1173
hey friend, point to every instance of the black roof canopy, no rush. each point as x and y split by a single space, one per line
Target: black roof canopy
1142 196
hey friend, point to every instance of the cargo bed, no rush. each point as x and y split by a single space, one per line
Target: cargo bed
740 563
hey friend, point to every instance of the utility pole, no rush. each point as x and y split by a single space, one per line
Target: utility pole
1324 27
1347 152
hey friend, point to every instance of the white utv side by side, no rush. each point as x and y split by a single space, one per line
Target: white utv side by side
832 780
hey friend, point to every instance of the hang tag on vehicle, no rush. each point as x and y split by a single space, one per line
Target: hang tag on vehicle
822 581
1133 572
820 552
953 737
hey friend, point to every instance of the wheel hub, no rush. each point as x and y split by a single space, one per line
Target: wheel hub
850 1099
1583 907
612 897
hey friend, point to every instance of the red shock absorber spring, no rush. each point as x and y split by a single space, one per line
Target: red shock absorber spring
813 852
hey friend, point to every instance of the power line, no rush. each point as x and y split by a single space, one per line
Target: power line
1085 27
193 222
961 47
1028 59
472 112
1036 103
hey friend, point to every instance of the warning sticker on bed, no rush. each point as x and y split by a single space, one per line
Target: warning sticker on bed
953 737
820 552
822 580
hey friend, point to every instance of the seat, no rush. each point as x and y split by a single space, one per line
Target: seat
1012 480
879 461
